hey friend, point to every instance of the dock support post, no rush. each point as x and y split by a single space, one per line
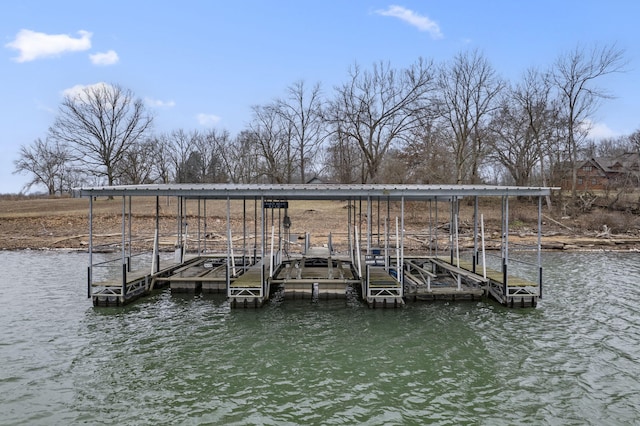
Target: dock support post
455 224
124 258
368 224
540 247
398 266
90 269
386 243
244 231
129 217
199 231
436 227
505 248
358 256
262 238
475 234
484 255
156 245
378 220
154 256
506 237
124 279
271 261
451 202
204 213
229 249
401 266
505 288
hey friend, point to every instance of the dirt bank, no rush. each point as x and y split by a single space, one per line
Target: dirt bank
63 223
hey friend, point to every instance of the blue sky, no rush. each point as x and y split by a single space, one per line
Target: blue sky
203 64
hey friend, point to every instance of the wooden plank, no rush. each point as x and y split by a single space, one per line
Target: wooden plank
492 274
250 278
465 273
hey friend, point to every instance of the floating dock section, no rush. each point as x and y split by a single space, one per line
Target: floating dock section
377 258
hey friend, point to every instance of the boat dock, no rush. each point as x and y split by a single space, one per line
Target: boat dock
375 261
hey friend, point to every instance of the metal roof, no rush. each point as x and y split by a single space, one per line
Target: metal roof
310 191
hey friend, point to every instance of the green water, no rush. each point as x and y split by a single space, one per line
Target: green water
178 359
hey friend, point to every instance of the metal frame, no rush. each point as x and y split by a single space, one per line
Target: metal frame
351 193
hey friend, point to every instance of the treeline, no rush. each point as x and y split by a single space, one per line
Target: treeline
451 122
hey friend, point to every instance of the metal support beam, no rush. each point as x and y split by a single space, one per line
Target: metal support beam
90 269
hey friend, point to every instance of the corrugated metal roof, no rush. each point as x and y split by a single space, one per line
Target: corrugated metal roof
311 191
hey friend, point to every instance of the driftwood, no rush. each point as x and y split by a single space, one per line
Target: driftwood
556 222
75 237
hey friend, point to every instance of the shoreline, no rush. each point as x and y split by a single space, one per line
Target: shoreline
63 224
549 244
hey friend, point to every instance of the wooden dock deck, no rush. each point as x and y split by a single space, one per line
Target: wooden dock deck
249 290
427 279
115 292
518 291
315 275
382 289
207 274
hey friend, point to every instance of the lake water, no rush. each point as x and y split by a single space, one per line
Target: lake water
184 359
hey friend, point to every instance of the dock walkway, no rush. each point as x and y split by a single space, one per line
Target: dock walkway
382 289
517 291
249 289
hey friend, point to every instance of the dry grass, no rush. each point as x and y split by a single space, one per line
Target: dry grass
28 222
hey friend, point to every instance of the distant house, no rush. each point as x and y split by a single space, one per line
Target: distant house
604 173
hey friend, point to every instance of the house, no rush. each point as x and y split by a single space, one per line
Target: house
604 173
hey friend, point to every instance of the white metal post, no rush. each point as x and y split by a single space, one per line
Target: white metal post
484 258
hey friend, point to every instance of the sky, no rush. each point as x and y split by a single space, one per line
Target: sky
203 64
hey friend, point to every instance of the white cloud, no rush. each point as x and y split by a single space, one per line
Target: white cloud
598 131
104 58
79 90
207 119
422 23
158 103
33 45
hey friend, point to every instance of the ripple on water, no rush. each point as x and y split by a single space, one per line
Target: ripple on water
191 360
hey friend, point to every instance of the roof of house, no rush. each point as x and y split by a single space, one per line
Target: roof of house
629 161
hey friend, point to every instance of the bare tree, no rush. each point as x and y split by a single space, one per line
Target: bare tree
544 122
214 168
48 162
634 140
513 146
99 123
573 75
243 158
468 89
524 129
181 145
301 112
163 164
137 164
344 159
427 157
271 137
381 107
613 147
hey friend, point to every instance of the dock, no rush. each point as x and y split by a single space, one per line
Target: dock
258 260
249 289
